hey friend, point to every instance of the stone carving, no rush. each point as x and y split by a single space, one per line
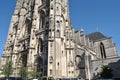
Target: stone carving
71 54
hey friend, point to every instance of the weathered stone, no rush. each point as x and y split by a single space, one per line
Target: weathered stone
41 36
23 11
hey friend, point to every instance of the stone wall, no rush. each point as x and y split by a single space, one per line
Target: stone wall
113 63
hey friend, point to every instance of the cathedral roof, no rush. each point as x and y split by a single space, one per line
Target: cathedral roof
96 36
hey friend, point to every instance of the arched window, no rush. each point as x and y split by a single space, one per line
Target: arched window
38 49
41 42
40 46
102 49
57 33
42 19
78 59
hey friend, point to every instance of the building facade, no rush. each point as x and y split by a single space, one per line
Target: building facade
41 36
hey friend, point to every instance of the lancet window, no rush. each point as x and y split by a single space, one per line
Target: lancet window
102 49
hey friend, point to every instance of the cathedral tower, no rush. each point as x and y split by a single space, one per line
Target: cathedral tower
40 36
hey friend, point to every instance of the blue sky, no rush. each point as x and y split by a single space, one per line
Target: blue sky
90 15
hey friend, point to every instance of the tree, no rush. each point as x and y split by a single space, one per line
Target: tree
7 69
106 72
23 72
34 73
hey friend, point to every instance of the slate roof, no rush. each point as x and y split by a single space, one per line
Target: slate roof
96 36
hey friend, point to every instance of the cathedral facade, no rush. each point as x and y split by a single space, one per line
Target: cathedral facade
41 36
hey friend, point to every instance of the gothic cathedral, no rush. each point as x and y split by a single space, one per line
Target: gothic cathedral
41 36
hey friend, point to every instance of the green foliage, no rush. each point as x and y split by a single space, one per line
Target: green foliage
106 72
7 69
23 72
34 73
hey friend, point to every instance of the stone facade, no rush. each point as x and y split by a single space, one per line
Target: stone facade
113 63
41 36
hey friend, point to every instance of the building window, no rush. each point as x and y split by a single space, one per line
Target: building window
58 65
58 33
78 61
51 44
51 59
41 22
42 19
67 35
102 49
51 71
41 42
38 49
15 30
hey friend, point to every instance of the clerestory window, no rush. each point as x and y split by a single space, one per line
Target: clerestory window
102 49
